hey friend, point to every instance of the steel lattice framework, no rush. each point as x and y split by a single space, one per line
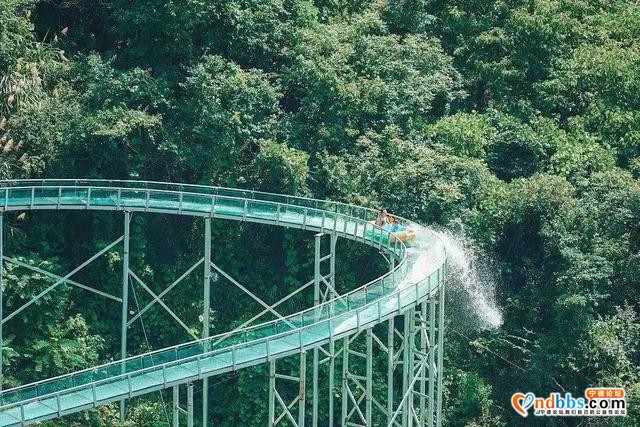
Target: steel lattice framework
399 315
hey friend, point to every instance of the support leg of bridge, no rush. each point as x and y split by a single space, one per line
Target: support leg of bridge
432 348
369 378
316 302
190 405
413 352
411 337
423 350
332 358
286 410
390 367
176 406
272 389
357 393
332 344
345 379
206 312
303 389
125 301
440 347
318 298
1 295
406 364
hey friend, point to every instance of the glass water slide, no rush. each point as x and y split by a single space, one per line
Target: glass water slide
418 273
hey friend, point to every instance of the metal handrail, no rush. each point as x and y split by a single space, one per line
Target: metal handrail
163 366
302 313
204 187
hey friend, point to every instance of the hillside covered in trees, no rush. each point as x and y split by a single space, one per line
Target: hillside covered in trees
514 122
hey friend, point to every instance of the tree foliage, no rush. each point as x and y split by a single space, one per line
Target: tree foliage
515 121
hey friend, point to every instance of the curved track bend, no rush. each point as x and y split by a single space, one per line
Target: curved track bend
418 274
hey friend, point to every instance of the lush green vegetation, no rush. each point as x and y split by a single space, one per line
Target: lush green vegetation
517 121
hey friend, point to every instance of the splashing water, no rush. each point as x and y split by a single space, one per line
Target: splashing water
470 284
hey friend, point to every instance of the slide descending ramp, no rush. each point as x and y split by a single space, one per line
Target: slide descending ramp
417 274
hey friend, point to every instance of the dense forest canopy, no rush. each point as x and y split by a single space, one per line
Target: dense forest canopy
515 122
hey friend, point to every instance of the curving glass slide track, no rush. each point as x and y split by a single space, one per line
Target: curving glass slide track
417 274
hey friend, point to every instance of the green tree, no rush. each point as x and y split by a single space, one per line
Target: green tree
229 111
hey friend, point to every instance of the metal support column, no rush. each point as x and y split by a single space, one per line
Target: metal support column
406 356
125 301
411 337
432 354
176 406
1 296
423 350
332 354
332 345
418 353
272 390
190 405
440 348
286 408
358 400
316 302
369 378
303 388
391 355
345 380
206 312
319 297
391 360
188 412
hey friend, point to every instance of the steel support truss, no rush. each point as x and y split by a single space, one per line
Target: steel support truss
178 410
411 346
58 280
324 281
129 279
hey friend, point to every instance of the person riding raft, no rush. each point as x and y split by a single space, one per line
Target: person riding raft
390 223
381 220
387 221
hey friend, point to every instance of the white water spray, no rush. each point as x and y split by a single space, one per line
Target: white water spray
470 283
